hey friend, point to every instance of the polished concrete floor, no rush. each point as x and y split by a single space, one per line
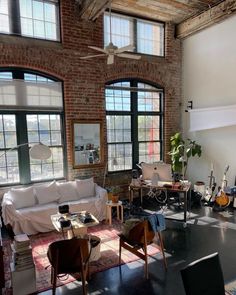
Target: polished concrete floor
206 232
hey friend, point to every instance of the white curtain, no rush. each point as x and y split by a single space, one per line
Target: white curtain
19 94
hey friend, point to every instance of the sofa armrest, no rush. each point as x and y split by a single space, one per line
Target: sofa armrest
100 192
9 212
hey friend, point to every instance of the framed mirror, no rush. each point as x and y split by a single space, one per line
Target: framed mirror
87 143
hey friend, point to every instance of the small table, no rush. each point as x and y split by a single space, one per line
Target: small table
119 210
77 228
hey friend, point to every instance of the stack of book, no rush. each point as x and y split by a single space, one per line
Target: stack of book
22 253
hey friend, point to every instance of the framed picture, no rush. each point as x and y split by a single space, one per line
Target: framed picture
87 143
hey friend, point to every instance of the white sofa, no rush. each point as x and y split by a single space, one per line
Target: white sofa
28 210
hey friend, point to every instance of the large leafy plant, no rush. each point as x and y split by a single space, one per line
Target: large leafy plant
181 151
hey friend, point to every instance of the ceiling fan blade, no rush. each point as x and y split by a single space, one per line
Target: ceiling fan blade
128 55
91 56
97 48
125 48
110 59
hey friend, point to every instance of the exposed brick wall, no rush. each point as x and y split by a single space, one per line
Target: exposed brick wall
84 80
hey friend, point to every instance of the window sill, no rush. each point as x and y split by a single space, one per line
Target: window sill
22 40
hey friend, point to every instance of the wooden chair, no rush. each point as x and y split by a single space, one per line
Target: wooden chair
69 257
139 237
204 276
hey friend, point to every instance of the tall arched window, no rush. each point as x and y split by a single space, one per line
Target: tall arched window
31 107
134 115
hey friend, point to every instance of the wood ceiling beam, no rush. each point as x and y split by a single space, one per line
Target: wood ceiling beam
210 17
91 9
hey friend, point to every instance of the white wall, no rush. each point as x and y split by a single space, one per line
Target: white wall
209 79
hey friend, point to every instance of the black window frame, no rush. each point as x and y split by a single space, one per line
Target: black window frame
135 19
22 131
15 21
134 113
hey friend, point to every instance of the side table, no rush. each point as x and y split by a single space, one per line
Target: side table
119 210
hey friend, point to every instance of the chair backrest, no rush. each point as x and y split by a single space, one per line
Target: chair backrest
68 256
136 234
204 276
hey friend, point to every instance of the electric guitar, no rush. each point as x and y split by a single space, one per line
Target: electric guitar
210 189
221 198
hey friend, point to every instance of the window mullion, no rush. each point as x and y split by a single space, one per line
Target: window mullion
134 123
14 11
23 151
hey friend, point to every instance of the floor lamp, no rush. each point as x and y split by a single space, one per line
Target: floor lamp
38 151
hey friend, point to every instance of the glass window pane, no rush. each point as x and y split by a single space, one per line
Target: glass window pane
26 27
39 29
33 136
50 12
150 38
43 122
50 31
10 139
39 19
4 23
55 138
38 10
55 122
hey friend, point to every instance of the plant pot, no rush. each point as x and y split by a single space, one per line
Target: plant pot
115 198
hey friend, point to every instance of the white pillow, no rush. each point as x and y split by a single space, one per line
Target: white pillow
47 193
67 191
22 197
163 170
85 188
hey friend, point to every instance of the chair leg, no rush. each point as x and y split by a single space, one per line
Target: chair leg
54 282
83 281
162 249
146 262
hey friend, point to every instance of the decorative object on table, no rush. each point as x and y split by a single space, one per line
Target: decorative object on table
181 151
63 209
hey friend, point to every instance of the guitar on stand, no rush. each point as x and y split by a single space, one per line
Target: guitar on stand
210 189
221 199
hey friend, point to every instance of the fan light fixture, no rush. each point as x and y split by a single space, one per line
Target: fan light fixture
112 50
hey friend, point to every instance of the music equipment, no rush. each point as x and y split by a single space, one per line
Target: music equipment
221 198
211 187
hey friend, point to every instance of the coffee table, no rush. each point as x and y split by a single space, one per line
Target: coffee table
77 227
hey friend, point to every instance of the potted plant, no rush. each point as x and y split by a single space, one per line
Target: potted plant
115 194
181 151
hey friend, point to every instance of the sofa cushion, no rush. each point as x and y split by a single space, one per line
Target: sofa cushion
47 193
85 187
163 170
67 191
22 197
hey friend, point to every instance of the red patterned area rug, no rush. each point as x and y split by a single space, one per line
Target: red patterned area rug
109 254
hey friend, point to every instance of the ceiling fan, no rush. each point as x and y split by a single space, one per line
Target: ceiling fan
112 50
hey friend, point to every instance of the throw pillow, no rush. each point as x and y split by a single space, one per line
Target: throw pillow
163 170
47 193
85 188
128 225
22 197
67 191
